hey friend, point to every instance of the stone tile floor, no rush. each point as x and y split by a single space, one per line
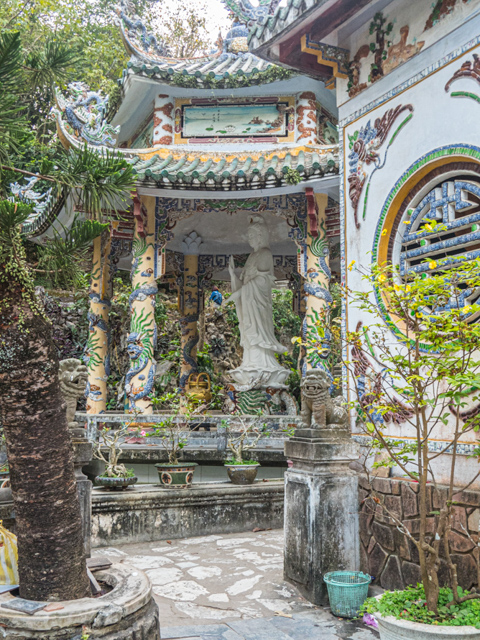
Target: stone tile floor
231 587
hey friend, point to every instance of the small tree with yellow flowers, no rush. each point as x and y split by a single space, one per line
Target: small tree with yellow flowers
427 376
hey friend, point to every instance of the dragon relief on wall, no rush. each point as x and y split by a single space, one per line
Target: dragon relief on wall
364 158
370 387
470 69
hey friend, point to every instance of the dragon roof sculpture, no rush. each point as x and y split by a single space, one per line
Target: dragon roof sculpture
248 14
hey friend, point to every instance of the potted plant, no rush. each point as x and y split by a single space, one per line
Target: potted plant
240 469
426 381
176 474
116 475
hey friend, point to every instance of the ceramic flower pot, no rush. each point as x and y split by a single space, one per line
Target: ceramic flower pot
242 473
392 629
115 484
176 476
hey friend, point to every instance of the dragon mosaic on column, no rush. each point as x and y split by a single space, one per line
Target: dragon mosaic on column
85 114
316 284
96 355
142 338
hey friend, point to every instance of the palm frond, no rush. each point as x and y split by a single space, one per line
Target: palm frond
102 180
53 64
60 259
12 215
10 59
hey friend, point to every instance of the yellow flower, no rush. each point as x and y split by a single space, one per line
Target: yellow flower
406 221
384 232
396 287
467 309
382 277
428 227
408 288
350 266
432 264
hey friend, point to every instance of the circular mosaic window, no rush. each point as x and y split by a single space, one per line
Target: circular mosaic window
455 205
443 185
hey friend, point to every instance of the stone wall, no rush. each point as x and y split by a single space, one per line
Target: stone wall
388 555
148 513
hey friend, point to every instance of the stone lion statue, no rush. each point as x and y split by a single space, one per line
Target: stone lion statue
318 408
73 377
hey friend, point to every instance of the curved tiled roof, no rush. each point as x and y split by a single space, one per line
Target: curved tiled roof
283 17
232 60
234 170
245 66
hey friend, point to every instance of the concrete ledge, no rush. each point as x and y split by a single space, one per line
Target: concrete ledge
146 513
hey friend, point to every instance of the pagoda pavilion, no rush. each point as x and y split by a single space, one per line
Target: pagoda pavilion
212 140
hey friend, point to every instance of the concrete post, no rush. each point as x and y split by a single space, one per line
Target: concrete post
96 354
321 508
190 307
142 338
82 455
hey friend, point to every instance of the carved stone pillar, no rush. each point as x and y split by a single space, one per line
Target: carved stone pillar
321 500
142 338
96 355
73 377
316 285
163 120
190 307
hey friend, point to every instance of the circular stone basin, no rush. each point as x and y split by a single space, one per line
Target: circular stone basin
128 611
392 629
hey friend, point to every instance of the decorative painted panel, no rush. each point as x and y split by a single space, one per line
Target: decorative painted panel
143 139
396 35
226 120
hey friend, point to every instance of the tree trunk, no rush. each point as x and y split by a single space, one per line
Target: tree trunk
51 558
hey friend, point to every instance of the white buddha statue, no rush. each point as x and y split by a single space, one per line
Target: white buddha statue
252 295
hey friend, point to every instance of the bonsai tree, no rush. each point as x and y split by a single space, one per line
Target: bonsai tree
243 439
111 440
171 430
426 377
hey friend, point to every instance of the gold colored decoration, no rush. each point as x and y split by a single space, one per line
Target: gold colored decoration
199 387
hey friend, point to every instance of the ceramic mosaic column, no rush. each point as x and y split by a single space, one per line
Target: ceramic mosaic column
316 284
96 354
163 120
190 307
142 338
307 118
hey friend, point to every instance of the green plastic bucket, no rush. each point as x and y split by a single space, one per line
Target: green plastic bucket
347 591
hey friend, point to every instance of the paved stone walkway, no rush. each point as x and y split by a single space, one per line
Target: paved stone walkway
230 587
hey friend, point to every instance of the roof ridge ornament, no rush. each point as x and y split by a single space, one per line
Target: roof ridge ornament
248 14
85 112
135 30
